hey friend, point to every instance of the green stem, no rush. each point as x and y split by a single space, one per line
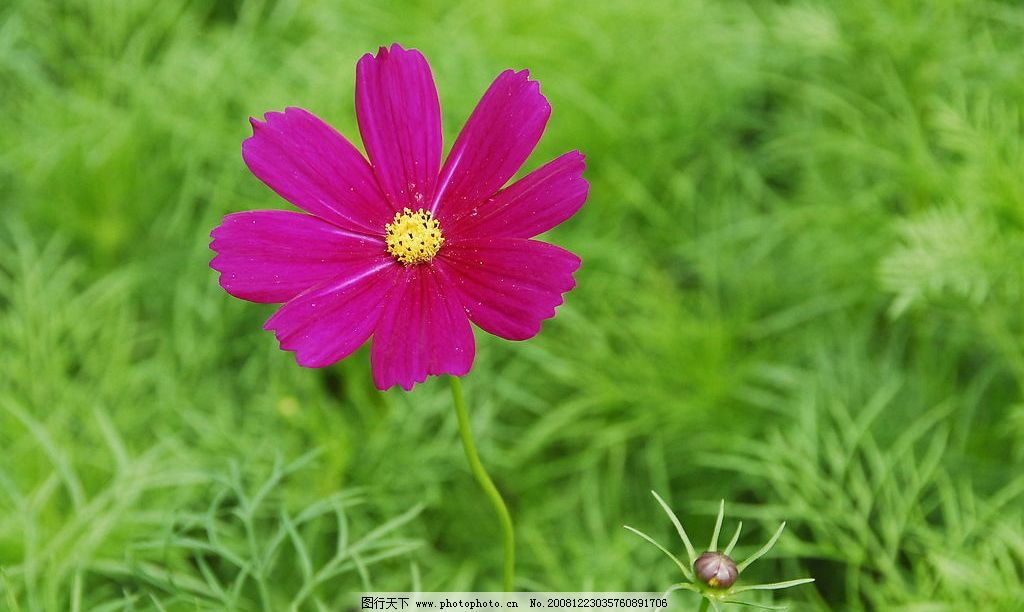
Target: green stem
508 536
704 601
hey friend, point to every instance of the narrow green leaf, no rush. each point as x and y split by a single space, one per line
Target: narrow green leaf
718 526
679 528
773 586
735 538
755 605
679 586
764 549
682 566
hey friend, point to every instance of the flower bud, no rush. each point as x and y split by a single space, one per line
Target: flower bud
716 570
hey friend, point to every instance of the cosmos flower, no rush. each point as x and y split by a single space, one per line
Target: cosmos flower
400 247
713 574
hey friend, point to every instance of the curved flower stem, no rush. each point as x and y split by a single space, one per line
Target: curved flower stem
486 484
703 605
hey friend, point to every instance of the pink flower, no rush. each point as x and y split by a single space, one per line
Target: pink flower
402 248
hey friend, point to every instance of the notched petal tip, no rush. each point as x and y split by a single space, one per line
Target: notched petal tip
312 363
532 87
223 278
294 346
395 54
382 384
272 117
218 233
229 222
385 52
258 126
213 261
574 268
577 157
409 384
522 75
217 245
520 80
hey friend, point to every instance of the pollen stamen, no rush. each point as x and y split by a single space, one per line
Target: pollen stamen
413 237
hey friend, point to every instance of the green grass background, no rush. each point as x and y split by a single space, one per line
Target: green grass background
802 292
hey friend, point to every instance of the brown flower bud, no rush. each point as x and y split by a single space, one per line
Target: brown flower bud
716 570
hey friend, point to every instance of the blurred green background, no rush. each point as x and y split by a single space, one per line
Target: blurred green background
802 292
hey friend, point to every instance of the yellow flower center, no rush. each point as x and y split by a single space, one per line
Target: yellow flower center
413 237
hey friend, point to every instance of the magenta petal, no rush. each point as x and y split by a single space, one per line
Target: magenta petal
509 285
400 122
312 166
423 331
532 205
498 137
326 323
271 256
